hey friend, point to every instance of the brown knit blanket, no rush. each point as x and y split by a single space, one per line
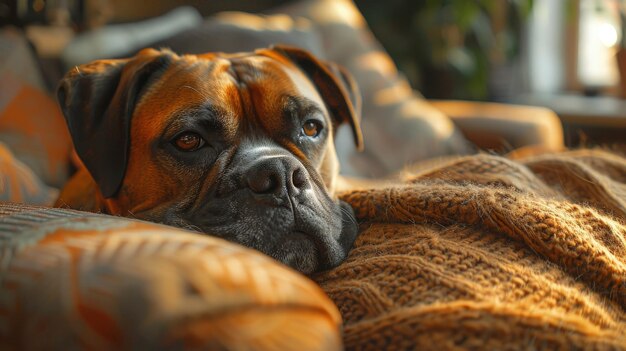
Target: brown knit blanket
489 253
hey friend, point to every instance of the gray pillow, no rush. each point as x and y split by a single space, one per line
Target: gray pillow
239 31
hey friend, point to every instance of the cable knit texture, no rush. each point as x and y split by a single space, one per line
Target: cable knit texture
489 253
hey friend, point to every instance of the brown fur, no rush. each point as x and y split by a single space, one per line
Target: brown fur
257 179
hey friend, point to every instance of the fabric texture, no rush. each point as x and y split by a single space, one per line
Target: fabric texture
73 280
487 253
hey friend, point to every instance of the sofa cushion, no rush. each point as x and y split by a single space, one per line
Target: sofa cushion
75 280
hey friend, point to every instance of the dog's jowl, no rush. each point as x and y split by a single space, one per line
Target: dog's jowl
238 146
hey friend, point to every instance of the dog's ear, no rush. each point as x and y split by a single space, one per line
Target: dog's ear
336 86
98 100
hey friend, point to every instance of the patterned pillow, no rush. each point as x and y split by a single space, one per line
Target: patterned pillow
74 280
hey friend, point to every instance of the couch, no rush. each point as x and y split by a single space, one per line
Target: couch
466 248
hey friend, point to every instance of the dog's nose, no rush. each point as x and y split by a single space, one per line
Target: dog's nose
276 175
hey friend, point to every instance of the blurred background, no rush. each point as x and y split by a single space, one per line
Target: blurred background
488 50
562 54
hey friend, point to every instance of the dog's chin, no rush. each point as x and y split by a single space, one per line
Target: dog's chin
308 238
305 252
298 251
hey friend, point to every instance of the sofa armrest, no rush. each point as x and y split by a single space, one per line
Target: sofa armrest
504 126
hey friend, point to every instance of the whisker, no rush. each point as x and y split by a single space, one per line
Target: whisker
349 215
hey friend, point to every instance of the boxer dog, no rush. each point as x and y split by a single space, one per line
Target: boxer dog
239 146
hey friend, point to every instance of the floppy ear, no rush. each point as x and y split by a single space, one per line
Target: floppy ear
98 100
336 86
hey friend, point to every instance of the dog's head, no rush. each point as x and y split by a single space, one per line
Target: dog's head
234 145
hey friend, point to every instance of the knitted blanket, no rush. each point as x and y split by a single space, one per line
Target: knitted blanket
490 253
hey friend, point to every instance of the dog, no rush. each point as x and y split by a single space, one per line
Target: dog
239 146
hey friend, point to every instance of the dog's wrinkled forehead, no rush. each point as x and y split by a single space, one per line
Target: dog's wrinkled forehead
254 88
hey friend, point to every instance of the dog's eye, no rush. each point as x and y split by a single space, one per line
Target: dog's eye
189 142
312 128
